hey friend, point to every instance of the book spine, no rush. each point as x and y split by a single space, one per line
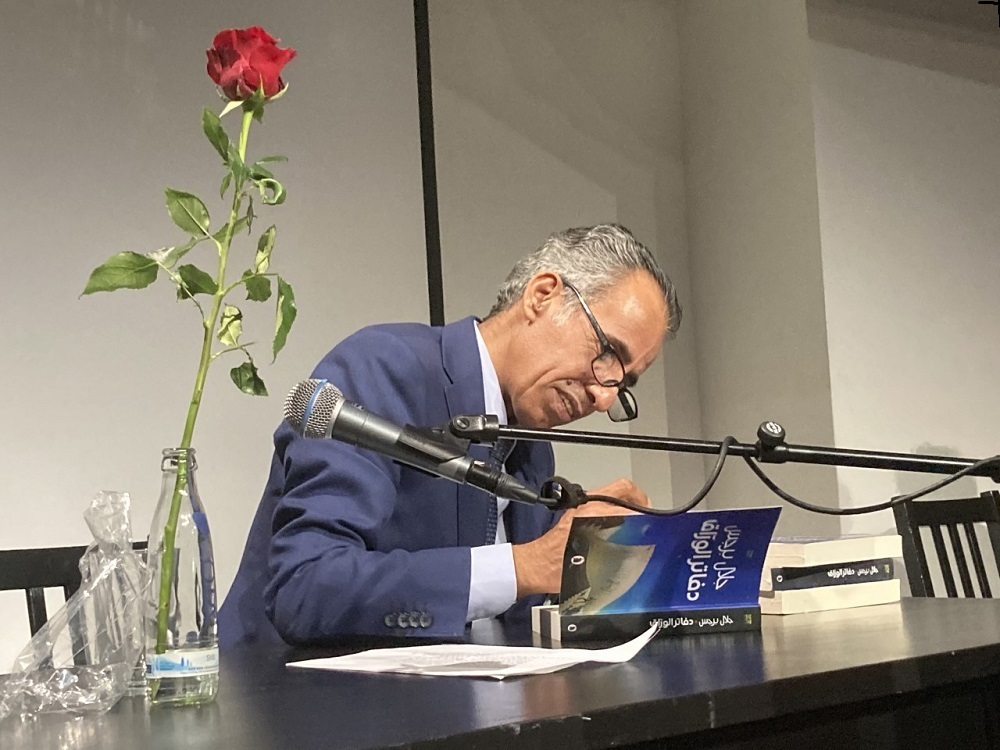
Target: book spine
790 578
671 622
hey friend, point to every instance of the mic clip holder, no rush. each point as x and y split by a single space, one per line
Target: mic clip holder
770 445
555 493
476 428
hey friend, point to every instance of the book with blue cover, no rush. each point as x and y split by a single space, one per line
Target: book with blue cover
694 572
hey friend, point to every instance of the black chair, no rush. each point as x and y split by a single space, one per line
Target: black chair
35 570
957 519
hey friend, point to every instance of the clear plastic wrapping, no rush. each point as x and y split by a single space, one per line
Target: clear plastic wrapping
83 658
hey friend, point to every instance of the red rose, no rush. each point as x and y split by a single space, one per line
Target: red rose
243 60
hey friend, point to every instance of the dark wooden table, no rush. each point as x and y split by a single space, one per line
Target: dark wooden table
920 674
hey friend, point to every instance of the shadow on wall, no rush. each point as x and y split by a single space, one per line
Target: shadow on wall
908 482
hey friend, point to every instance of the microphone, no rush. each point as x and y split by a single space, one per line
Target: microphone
317 409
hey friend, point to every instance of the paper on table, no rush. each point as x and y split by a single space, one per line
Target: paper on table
469 660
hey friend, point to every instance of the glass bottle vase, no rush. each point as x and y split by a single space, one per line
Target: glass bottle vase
182 647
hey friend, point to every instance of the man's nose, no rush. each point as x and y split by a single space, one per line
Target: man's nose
602 396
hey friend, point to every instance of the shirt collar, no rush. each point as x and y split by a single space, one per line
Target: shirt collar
492 395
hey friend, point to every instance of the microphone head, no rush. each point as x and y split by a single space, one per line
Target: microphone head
310 407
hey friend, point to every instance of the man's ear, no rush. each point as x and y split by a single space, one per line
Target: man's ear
542 293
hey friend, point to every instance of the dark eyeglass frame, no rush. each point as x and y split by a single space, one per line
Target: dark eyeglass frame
624 408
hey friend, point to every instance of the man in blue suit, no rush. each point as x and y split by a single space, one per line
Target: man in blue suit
347 542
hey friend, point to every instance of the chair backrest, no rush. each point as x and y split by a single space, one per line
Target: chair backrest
951 524
35 570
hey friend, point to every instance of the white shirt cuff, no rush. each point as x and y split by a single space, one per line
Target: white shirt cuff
493 583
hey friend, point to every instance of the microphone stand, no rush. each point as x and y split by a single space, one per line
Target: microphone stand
769 448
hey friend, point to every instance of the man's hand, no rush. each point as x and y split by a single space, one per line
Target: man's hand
538 564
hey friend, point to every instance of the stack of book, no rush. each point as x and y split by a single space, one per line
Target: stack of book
803 574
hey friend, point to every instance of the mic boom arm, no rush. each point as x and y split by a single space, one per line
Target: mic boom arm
769 448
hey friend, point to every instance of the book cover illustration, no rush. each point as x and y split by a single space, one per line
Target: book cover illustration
641 563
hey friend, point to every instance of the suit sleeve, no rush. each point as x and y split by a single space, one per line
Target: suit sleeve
326 577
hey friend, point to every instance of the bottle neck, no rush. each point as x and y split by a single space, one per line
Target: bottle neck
177 458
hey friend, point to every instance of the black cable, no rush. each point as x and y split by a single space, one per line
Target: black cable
723 453
864 508
791 499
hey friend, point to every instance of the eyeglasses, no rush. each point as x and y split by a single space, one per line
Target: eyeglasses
608 369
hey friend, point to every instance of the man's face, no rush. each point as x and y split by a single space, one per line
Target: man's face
552 381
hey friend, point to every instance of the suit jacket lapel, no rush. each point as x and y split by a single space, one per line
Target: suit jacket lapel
464 395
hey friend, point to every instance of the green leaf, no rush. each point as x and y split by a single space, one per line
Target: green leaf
214 132
122 271
250 214
280 93
272 192
285 315
230 107
255 104
195 281
258 287
226 179
259 172
247 380
238 167
241 224
264 247
188 212
168 256
231 326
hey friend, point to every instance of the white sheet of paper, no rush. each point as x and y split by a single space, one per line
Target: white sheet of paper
470 660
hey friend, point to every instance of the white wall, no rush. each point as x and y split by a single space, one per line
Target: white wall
101 112
701 122
488 174
557 114
841 179
908 165
755 243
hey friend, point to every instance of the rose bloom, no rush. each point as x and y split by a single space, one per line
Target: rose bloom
242 60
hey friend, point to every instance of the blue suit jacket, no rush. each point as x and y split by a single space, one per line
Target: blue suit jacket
347 542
